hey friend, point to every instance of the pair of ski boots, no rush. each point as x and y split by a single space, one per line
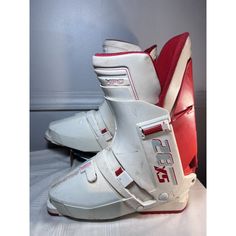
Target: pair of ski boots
144 133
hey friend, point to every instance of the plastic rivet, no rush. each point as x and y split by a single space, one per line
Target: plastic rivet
163 196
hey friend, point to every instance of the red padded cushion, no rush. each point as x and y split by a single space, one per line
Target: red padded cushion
166 62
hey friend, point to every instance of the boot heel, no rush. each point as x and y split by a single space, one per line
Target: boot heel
173 207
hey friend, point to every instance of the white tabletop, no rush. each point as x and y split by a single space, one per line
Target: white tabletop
47 165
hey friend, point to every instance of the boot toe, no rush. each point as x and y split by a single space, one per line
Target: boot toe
73 132
76 197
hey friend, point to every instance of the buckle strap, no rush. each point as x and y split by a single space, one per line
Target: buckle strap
99 129
122 182
153 126
104 131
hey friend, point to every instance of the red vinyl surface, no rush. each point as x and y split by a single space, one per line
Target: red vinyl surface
184 124
166 62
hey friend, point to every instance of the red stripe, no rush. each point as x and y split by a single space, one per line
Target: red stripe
103 131
118 171
154 129
132 84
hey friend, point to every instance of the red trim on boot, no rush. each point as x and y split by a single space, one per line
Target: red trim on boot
166 62
184 124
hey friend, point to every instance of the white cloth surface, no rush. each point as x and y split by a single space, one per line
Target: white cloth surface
48 165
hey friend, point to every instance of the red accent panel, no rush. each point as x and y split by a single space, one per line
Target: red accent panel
152 130
166 62
119 171
103 131
183 122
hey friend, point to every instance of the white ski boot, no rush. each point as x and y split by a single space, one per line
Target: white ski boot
93 130
143 170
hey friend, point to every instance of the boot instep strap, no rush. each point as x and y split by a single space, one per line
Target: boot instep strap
123 177
123 183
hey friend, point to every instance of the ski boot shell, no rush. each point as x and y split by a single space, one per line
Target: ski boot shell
145 169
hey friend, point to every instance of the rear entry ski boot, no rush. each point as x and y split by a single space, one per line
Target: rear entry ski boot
150 165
